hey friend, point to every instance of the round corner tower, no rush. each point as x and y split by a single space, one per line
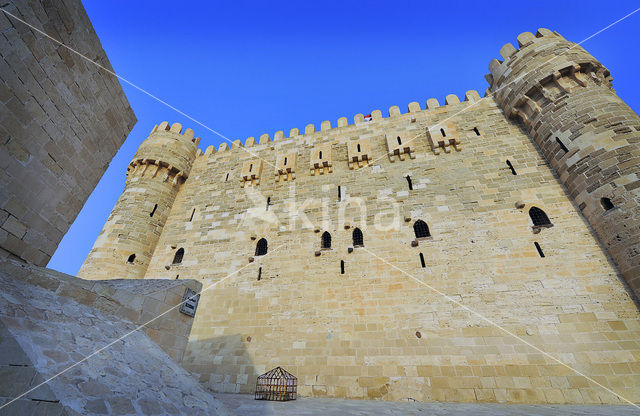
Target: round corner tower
126 243
590 137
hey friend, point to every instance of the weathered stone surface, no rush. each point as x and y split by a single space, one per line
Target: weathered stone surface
590 137
61 119
122 368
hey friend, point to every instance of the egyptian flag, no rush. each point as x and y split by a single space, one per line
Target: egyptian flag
367 117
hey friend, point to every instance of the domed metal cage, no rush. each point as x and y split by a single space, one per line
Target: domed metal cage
276 384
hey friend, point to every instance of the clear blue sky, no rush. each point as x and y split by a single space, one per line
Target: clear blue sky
248 68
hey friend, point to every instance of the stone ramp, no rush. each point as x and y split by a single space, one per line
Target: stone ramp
245 405
43 333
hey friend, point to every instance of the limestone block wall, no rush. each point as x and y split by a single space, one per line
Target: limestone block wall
62 119
50 321
148 303
588 134
127 241
353 323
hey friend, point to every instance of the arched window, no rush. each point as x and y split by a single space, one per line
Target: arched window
358 239
177 259
131 258
325 240
421 229
539 217
606 204
261 247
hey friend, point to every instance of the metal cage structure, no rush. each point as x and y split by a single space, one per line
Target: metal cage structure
277 385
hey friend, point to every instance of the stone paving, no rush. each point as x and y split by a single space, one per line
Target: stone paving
245 405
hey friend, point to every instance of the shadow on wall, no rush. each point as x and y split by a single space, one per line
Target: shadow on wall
229 369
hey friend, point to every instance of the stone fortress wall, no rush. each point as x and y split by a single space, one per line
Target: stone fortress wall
61 122
351 321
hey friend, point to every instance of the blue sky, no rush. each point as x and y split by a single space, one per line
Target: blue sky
248 68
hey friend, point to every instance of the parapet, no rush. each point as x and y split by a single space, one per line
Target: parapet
471 98
544 64
167 151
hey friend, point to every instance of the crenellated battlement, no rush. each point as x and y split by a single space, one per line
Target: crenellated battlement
359 119
177 129
168 151
544 66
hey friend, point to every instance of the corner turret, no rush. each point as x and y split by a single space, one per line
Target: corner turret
154 176
564 96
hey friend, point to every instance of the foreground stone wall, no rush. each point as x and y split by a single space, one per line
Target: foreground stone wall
149 304
62 119
374 332
48 324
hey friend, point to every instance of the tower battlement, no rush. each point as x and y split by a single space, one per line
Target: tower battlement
167 149
559 66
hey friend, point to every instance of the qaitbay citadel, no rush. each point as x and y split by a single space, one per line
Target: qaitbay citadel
473 249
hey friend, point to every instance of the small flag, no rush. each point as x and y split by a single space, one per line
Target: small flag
367 117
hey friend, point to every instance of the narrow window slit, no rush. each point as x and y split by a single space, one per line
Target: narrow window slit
285 160
539 249
341 266
409 182
399 141
339 193
259 273
422 263
358 147
268 203
153 211
250 167
513 171
443 133
476 131
227 178
562 146
320 154
192 212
